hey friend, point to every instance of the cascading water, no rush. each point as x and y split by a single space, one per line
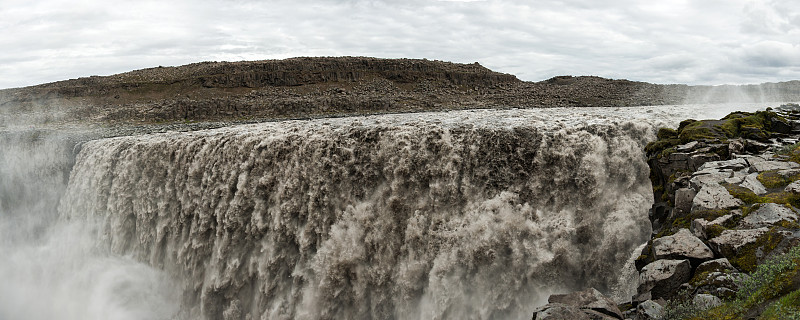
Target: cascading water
461 215
470 214
54 268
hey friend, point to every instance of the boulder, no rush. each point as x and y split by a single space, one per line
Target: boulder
729 242
789 173
663 277
687 147
751 182
700 227
712 197
697 160
753 146
735 146
649 310
558 311
793 187
681 245
767 215
773 165
683 199
734 164
717 283
588 299
706 177
716 265
780 125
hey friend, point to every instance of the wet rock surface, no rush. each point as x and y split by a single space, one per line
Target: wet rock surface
726 200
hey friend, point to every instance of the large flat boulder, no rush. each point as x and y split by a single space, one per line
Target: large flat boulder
735 164
681 245
714 196
751 182
730 241
773 165
767 215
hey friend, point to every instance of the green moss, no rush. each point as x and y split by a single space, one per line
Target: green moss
685 123
742 193
772 179
748 256
749 197
696 131
657 147
666 133
714 231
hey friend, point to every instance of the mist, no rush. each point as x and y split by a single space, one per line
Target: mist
57 268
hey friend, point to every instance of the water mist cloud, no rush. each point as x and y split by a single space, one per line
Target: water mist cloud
55 268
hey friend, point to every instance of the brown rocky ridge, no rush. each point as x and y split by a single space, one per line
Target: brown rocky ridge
327 86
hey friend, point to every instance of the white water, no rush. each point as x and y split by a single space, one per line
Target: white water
470 214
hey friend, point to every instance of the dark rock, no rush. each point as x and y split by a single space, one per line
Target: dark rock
729 242
663 277
723 284
683 199
558 311
649 310
779 125
588 299
716 265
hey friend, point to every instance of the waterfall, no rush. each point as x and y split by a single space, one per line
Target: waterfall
52 267
473 214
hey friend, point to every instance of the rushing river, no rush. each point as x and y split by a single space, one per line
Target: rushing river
475 214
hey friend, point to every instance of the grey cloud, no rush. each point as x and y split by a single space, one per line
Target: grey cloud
664 42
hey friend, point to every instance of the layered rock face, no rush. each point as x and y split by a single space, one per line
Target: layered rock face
341 86
457 215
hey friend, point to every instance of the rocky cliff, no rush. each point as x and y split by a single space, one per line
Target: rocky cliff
317 87
726 238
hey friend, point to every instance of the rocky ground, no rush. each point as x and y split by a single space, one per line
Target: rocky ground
322 87
725 225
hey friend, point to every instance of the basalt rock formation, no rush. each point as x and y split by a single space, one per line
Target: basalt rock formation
726 239
319 87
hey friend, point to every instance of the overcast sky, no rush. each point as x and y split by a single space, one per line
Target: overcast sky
663 41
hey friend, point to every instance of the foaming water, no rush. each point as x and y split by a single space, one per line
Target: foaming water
471 214
53 268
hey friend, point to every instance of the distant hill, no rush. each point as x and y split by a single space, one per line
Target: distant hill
324 86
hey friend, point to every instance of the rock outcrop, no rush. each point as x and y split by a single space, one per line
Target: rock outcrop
338 86
726 201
